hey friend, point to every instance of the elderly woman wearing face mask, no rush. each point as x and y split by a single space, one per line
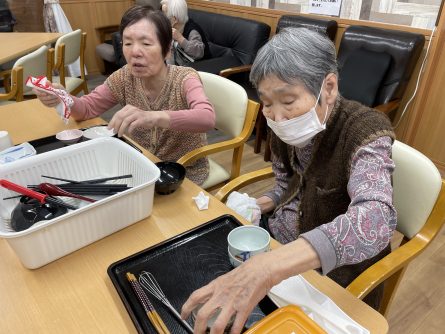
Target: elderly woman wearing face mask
189 41
332 203
164 107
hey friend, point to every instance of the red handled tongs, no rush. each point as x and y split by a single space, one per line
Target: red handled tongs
42 198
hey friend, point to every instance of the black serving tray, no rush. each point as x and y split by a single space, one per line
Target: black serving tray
181 265
50 143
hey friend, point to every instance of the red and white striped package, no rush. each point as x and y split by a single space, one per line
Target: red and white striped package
66 101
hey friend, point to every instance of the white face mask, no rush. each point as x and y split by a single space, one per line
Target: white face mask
298 131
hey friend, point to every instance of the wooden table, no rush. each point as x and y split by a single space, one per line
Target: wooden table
74 294
16 44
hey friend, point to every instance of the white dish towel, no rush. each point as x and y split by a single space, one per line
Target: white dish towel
320 308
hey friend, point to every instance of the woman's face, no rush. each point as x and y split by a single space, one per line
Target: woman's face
283 101
142 49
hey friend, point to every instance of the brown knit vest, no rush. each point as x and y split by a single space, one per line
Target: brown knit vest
323 188
166 144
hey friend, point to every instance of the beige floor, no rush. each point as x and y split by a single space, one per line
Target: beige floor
419 305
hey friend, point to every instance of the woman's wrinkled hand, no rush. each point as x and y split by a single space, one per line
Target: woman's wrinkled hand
126 120
235 293
49 100
177 36
265 203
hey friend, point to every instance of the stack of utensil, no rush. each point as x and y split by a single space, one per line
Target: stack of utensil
45 194
88 187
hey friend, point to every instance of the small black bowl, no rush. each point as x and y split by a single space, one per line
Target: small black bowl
30 211
172 175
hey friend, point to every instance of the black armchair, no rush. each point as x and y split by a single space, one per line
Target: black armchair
375 65
7 20
116 41
233 41
328 27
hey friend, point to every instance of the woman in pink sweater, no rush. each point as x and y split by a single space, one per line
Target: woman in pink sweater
164 107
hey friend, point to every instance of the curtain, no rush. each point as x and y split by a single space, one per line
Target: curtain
55 21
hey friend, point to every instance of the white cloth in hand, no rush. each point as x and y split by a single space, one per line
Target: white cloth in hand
245 206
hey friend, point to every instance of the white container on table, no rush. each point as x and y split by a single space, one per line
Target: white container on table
49 240
5 140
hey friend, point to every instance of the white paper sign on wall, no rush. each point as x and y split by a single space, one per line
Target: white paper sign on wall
325 7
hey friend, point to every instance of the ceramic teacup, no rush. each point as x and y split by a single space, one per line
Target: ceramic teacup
235 262
247 241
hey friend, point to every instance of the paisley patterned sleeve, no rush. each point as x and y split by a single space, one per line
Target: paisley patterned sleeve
368 225
281 180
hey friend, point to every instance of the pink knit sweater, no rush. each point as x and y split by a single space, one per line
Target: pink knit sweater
199 118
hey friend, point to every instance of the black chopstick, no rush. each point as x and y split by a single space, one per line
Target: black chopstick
92 185
90 189
128 176
93 181
87 186
12 197
60 179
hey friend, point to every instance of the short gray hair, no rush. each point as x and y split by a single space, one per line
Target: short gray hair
296 55
178 9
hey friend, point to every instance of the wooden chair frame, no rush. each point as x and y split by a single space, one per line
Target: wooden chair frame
60 66
392 267
15 88
13 80
242 181
237 144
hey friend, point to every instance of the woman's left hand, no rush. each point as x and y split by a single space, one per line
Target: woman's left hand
235 293
130 117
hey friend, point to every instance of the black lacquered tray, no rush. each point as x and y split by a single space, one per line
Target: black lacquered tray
50 143
180 265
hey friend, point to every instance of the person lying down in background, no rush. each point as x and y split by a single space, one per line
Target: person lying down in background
332 203
165 109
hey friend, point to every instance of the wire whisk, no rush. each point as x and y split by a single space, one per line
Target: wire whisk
152 315
149 283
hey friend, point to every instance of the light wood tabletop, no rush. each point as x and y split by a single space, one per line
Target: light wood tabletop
16 44
74 294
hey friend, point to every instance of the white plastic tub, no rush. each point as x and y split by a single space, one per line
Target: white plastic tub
49 240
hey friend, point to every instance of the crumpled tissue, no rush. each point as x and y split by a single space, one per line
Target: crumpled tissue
66 101
245 206
202 201
297 291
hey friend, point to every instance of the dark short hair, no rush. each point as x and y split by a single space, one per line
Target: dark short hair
161 22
